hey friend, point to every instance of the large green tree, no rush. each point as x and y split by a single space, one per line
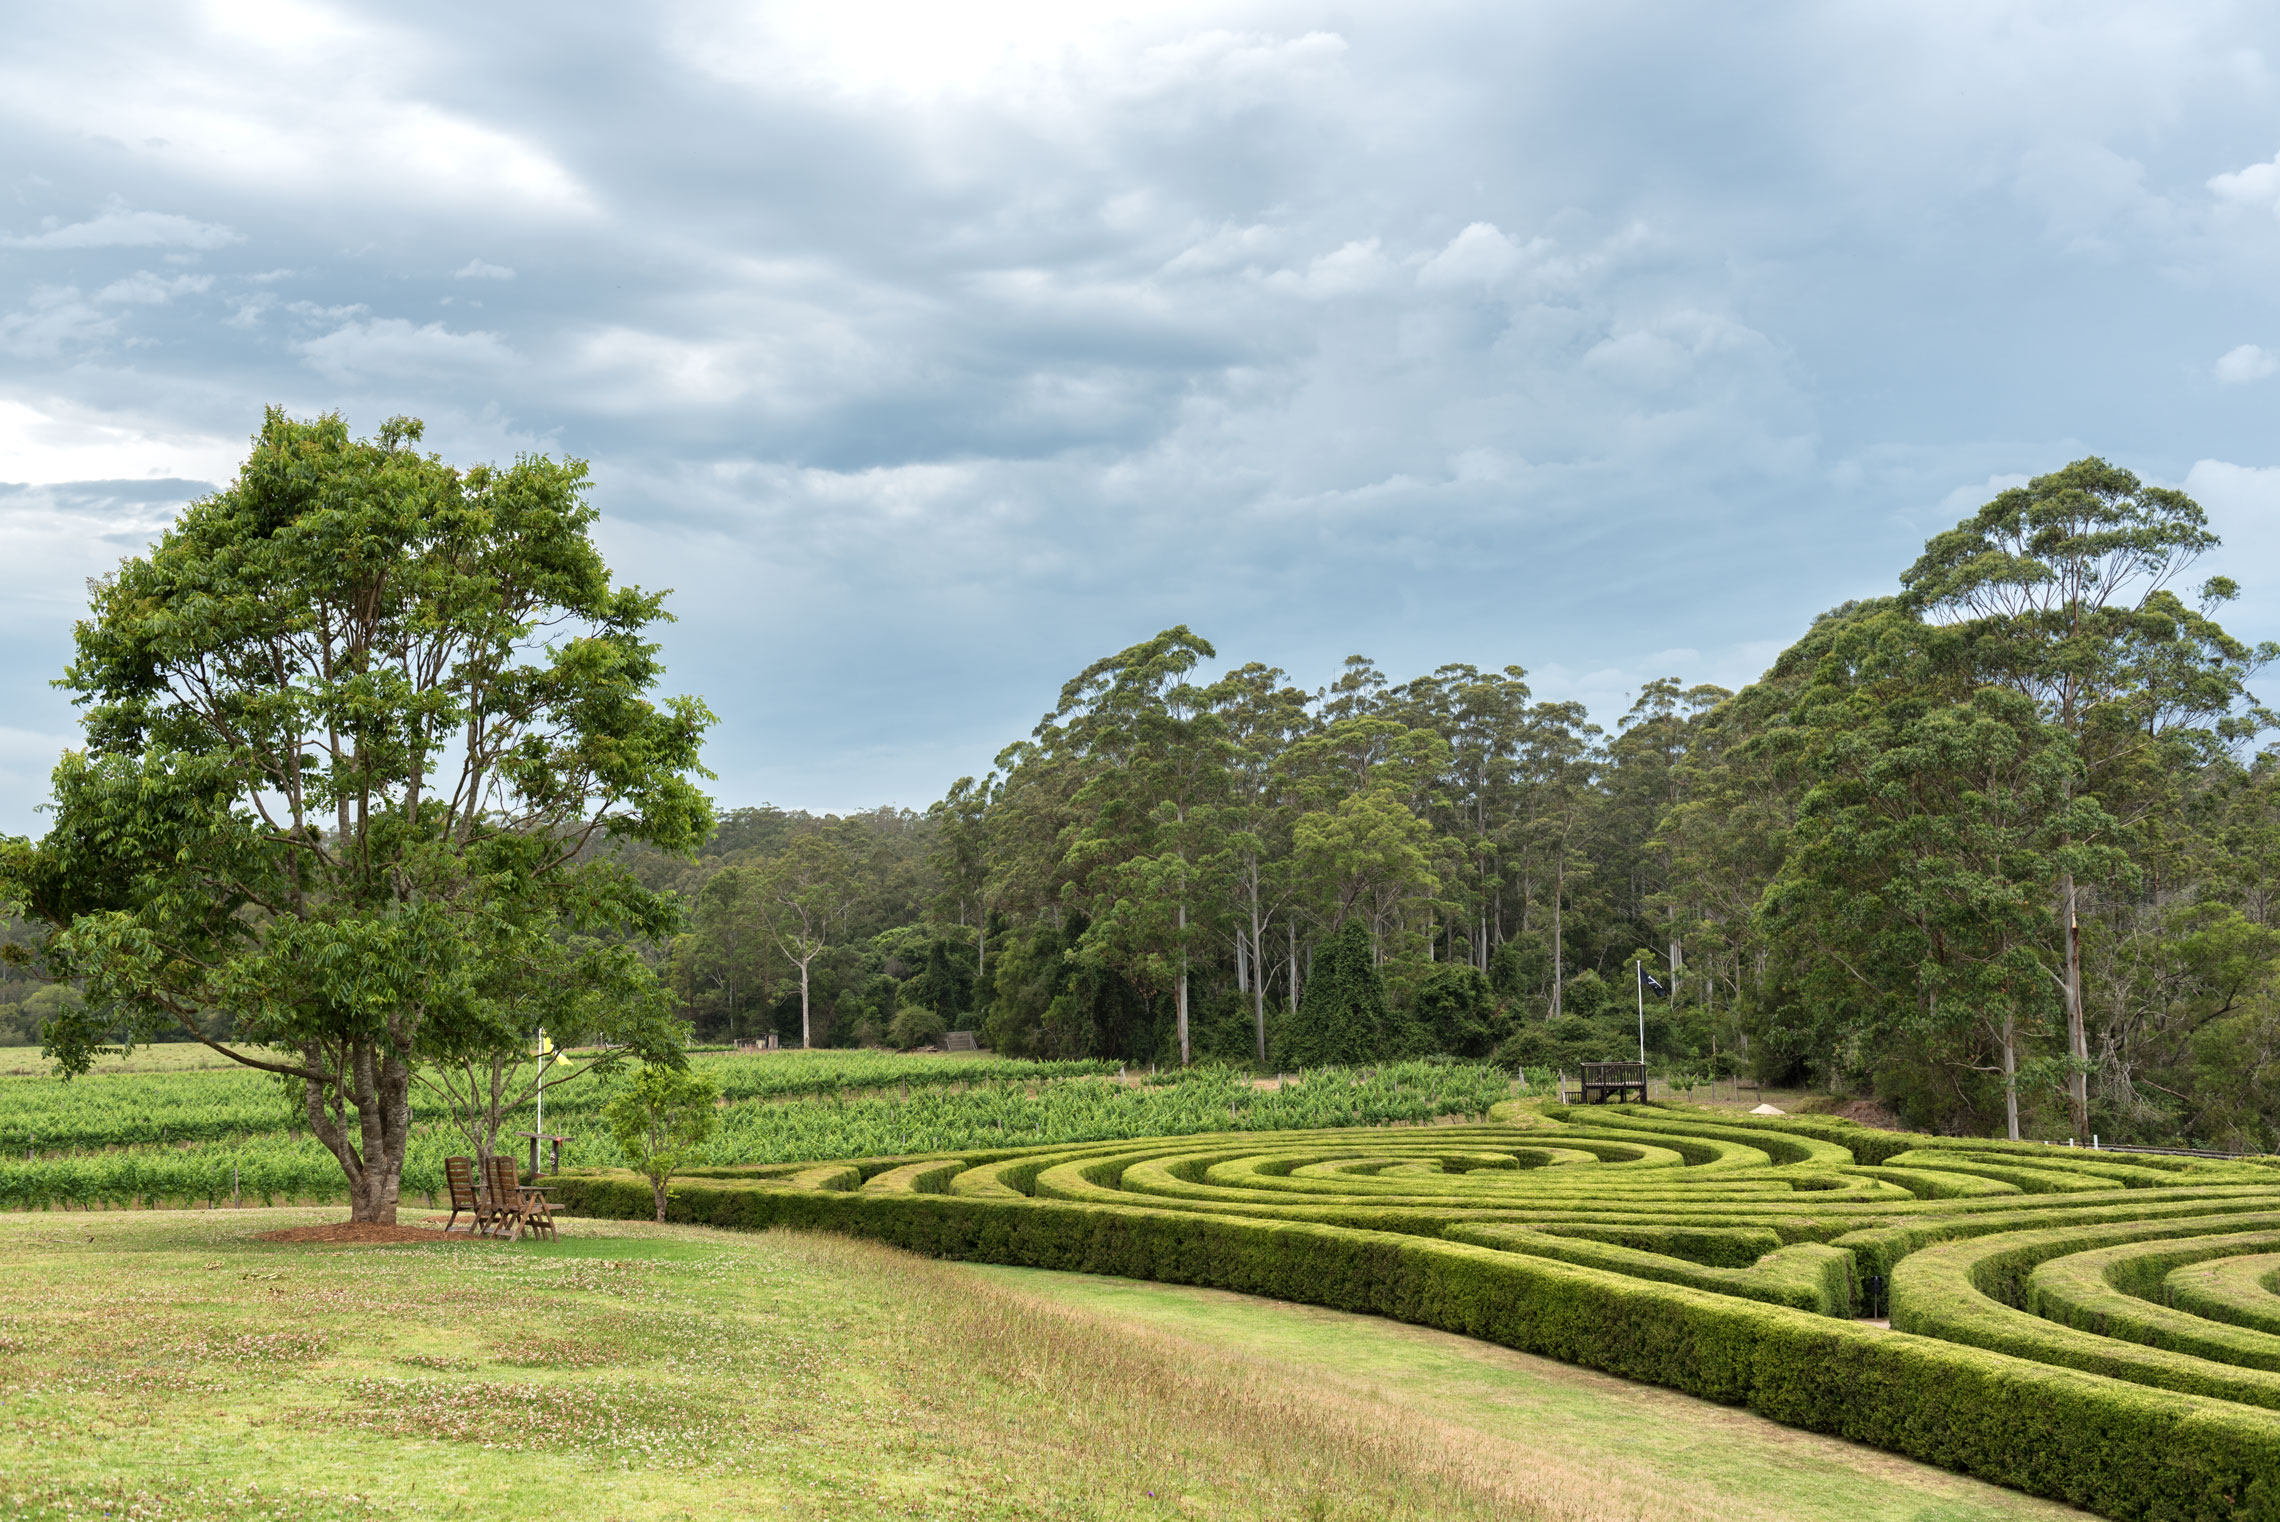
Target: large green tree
2066 584
350 724
1262 715
1154 753
1937 813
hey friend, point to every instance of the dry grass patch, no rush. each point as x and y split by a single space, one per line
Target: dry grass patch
1125 1395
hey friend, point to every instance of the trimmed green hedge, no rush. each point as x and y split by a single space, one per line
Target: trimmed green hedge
2110 1292
2118 1449
1716 1255
2242 1291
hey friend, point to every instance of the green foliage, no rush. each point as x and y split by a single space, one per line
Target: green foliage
350 723
1855 874
1342 1017
915 1025
659 1119
1520 968
1587 995
1456 1012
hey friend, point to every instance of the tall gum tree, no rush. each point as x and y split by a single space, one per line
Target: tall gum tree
1936 813
1154 751
801 896
353 724
2065 586
1263 716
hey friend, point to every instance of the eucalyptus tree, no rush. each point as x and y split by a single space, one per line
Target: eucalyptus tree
801 896
1936 812
1483 716
2066 584
1262 716
725 943
1361 842
959 856
1153 749
348 722
1646 780
1559 769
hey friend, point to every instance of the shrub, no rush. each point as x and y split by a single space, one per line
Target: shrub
659 1120
915 1025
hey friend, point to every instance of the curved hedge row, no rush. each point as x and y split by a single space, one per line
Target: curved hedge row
2052 1321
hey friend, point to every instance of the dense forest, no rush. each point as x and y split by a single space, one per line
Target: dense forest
1998 849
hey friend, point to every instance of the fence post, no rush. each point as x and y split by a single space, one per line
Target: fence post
235 1202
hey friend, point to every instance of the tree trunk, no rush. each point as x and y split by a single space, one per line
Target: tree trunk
2077 1039
1559 948
1290 926
1183 991
378 1087
2010 1079
1259 982
658 1185
806 1038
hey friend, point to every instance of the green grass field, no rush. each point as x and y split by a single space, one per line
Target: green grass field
169 1365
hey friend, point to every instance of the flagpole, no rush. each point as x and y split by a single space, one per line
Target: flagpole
1641 969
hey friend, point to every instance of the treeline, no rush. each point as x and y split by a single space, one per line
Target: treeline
1998 850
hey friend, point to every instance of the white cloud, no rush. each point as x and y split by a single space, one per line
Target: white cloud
2243 504
57 318
2257 185
1480 255
1347 270
147 289
346 114
394 348
2237 367
117 227
51 441
1671 348
909 335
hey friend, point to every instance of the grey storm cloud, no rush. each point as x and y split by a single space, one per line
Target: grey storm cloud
929 352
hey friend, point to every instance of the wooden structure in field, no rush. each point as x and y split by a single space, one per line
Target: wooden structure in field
1614 1080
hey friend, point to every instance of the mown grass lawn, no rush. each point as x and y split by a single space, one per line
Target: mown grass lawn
170 1365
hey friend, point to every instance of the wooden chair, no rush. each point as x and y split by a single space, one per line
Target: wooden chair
459 1173
515 1209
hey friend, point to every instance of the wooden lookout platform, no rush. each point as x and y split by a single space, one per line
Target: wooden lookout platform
1614 1080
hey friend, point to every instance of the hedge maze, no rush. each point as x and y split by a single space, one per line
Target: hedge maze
2102 1329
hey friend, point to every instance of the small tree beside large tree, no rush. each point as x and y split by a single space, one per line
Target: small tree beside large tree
354 726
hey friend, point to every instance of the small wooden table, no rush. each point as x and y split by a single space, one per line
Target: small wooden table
534 1138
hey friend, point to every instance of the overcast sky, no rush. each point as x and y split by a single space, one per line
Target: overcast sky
930 351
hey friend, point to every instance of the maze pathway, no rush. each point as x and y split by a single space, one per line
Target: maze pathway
2102 1329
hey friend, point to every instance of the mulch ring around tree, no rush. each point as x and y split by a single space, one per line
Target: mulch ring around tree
361 1234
